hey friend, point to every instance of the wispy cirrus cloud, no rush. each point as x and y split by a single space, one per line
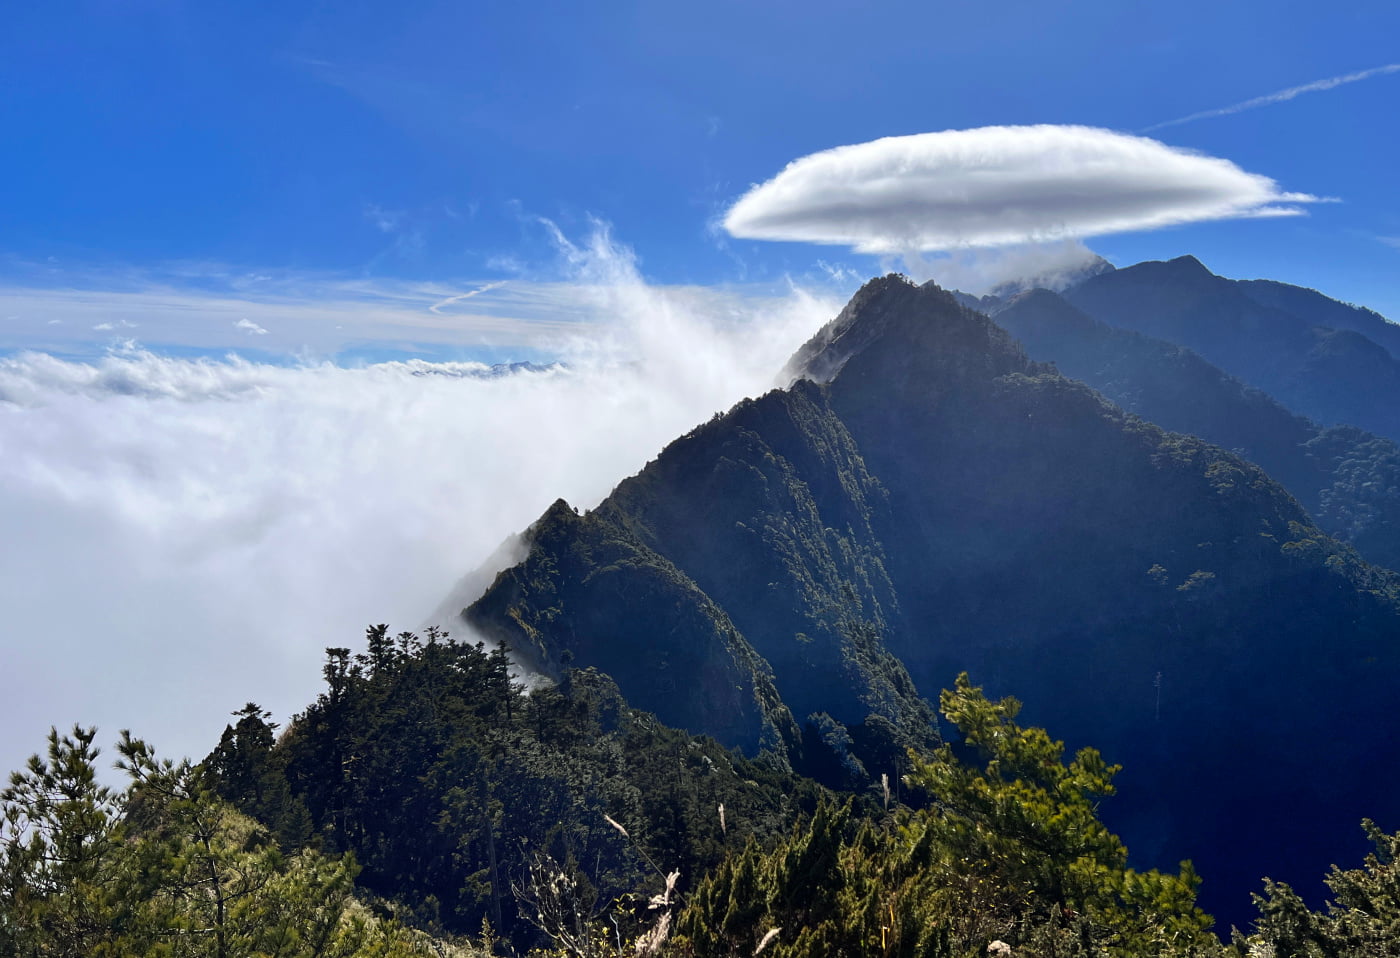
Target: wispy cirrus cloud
461 297
1280 96
999 186
213 307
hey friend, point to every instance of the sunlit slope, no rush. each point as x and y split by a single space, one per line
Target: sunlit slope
928 501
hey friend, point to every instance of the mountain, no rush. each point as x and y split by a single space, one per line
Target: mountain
1055 279
1321 310
773 596
1346 478
924 499
1274 337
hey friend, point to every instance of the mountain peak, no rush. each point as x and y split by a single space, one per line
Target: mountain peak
822 356
1055 278
1039 296
1183 272
1189 263
898 326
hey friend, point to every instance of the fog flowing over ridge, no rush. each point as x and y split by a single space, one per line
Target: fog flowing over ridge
191 534
1053 265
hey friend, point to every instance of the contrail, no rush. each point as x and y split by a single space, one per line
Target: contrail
437 307
1281 95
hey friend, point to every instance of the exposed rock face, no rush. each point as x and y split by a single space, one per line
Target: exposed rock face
924 499
592 593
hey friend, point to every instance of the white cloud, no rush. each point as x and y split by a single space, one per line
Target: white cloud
1390 240
837 272
998 186
979 271
438 307
386 221
207 528
250 327
1281 96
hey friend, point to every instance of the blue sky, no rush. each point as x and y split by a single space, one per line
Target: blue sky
220 150
320 186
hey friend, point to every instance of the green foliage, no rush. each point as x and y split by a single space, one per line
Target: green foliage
165 869
1008 853
59 834
1011 849
1026 826
249 776
934 502
1348 479
1361 920
778 584
447 780
1361 503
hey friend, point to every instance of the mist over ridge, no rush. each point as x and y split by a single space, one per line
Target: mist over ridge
197 517
687 481
207 527
801 573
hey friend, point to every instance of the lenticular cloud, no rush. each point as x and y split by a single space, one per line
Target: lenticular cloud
997 186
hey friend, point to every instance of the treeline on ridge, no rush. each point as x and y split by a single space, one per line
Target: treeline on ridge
443 776
558 818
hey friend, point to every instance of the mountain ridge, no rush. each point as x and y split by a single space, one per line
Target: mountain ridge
924 499
1348 479
1333 375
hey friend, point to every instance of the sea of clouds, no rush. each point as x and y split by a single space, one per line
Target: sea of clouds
187 535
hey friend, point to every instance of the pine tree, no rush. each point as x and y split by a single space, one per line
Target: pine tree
166 868
1009 849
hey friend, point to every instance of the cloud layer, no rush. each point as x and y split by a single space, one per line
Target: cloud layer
998 186
188 535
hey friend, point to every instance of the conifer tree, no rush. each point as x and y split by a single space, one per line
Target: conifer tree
164 869
1009 849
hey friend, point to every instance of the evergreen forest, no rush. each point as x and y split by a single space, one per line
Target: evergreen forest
427 804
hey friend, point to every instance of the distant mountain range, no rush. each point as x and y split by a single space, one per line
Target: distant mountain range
1322 359
480 371
1347 479
925 498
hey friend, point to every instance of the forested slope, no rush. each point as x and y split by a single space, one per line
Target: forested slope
1312 354
926 500
1346 478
